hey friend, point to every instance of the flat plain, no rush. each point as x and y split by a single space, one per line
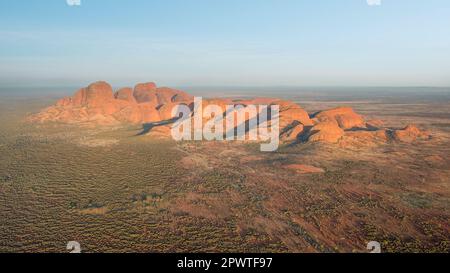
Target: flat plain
114 191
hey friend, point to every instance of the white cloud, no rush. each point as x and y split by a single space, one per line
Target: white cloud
374 2
73 2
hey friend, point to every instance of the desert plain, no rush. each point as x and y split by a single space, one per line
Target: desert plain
113 189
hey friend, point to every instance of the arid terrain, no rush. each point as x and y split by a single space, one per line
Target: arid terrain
113 189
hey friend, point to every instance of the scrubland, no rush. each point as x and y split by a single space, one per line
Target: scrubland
114 191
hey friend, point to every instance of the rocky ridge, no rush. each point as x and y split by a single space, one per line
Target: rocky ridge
148 104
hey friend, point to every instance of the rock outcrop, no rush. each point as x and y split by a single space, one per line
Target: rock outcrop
410 134
125 94
98 104
345 118
292 132
326 131
145 92
342 125
148 104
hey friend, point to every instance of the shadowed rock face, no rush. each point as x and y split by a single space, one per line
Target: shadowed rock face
292 132
145 92
342 125
410 133
326 131
148 104
125 94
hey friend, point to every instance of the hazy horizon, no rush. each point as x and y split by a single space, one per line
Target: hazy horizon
299 94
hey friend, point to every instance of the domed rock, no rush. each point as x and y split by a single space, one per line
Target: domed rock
290 112
97 94
149 112
125 94
410 134
345 117
168 95
327 131
145 92
96 104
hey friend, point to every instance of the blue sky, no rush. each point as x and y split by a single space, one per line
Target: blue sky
226 42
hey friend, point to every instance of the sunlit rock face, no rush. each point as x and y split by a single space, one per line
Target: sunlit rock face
146 103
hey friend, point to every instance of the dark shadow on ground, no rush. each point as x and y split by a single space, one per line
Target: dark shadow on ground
147 127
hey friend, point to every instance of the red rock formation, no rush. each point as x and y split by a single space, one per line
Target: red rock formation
145 92
96 104
165 110
290 112
410 134
125 94
293 132
98 94
167 95
345 117
326 131
292 117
